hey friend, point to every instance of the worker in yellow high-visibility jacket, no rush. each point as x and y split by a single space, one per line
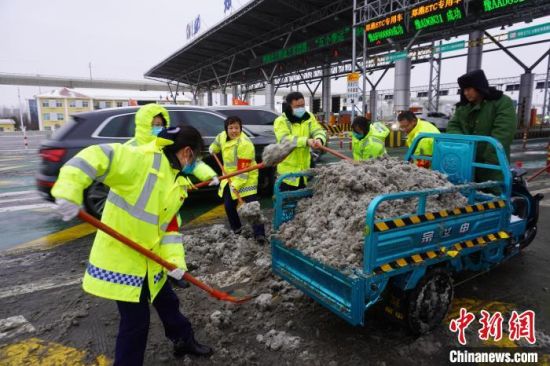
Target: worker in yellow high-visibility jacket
368 139
147 190
412 126
303 130
238 153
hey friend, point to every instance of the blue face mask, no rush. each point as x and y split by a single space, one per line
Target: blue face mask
188 168
299 112
155 130
358 136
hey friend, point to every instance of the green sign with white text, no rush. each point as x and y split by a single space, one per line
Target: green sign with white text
529 31
448 47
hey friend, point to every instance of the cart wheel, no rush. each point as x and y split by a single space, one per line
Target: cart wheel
429 302
528 237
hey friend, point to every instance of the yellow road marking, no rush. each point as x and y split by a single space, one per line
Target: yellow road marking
59 238
215 213
35 351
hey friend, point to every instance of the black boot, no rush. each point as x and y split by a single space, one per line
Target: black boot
191 348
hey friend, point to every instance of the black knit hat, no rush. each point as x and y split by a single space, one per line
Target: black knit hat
475 79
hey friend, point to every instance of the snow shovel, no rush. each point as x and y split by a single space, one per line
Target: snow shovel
220 295
230 175
335 153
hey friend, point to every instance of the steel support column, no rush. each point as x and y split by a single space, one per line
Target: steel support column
402 85
526 83
270 95
435 81
326 97
475 51
209 97
373 95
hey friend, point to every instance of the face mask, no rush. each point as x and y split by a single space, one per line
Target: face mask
358 136
188 168
155 130
299 112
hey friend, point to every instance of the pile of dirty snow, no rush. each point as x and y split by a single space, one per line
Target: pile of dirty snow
329 226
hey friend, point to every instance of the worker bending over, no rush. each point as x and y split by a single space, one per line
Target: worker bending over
368 139
412 126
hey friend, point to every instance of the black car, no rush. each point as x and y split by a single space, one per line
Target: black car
257 119
117 125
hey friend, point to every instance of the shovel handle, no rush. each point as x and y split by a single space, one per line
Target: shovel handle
220 295
241 202
230 175
335 153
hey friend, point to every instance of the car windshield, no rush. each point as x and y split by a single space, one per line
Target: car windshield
251 116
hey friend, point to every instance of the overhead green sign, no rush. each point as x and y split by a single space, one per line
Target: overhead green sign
529 31
394 56
493 5
448 47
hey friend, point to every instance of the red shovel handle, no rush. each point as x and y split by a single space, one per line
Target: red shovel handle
335 153
220 295
231 175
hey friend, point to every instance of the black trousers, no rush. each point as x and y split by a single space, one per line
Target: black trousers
134 324
233 216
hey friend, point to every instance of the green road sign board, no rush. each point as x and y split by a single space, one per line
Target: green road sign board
394 56
529 31
448 47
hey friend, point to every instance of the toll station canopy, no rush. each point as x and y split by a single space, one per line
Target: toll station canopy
268 39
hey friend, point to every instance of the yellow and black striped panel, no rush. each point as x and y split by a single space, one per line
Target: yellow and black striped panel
429 216
455 248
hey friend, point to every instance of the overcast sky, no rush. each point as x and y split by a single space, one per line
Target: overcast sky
123 39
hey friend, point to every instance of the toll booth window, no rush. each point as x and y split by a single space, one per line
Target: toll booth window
119 126
208 124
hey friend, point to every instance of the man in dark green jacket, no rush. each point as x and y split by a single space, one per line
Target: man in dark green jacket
484 111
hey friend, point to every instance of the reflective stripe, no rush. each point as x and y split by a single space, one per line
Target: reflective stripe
163 227
138 210
135 212
114 277
247 189
108 151
83 165
149 184
158 276
172 239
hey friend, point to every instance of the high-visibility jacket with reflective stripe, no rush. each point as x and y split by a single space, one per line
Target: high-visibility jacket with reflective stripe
372 145
237 154
425 146
299 159
146 193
